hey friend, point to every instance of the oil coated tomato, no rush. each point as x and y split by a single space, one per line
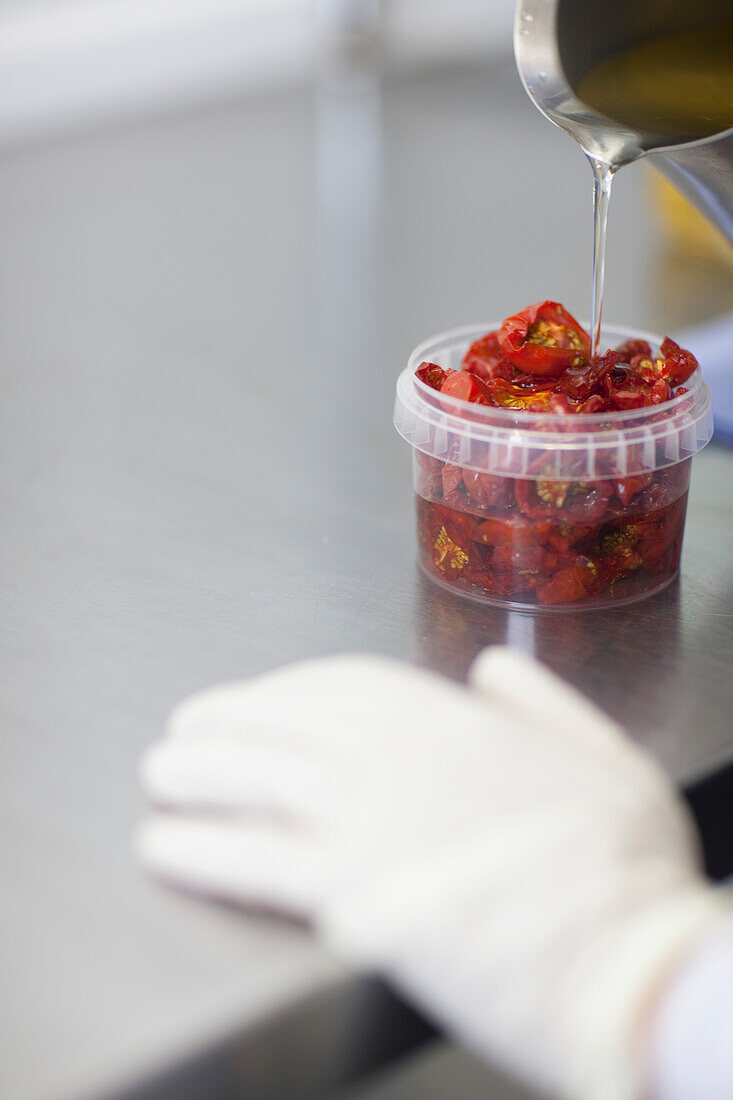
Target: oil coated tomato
504 395
446 534
486 360
612 567
431 374
659 533
594 404
465 387
544 339
509 395
583 381
679 364
631 348
530 558
568 535
626 388
626 488
539 361
514 532
579 501
673 367
451 477
573 582
487 489
511 582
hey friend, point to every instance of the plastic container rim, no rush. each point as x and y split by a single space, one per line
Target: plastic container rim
508 442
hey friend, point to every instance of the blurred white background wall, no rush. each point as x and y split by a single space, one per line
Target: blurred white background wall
74 62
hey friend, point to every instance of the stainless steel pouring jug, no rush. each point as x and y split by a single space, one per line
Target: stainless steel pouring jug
556 42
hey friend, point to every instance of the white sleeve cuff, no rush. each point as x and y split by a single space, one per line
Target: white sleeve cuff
691 1045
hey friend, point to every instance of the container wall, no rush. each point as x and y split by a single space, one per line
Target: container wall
544 542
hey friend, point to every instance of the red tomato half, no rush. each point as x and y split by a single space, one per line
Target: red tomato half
675 366
451 477
631 348
513 533
488 490
580 501
568 584
627 389
485 358
544 339
626 488
594 404
431 374
581 382
464 386
679 364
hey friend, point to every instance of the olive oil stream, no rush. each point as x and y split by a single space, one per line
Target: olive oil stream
679 88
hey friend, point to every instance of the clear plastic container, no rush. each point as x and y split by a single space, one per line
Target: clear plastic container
528 509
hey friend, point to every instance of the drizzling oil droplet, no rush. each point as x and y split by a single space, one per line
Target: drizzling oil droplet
527 17
543 76
524 32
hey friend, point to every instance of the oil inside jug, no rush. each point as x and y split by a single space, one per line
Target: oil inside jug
679 86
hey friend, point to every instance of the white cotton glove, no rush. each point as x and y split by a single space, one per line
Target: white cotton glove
503 854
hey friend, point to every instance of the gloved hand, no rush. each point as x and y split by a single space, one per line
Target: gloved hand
503 854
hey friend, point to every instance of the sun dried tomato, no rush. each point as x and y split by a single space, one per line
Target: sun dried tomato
448 555
452 477
679 364
568 535
460 524
561 562
626 488
464 386
568 584
615 566
659 531
547 496
558 403
666 486
431 374
486 360
526 558
631 348
538 361
544 339
581 381
628 389
487 489
594 404
506 395
514 532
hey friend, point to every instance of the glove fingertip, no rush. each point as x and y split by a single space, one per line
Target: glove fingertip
503 666
196 714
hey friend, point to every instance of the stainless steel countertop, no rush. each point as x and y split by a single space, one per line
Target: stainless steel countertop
202 318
